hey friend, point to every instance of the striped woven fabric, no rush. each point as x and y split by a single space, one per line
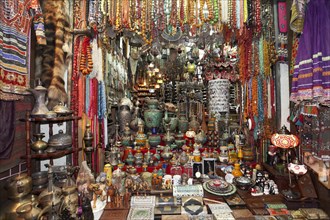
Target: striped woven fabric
15 24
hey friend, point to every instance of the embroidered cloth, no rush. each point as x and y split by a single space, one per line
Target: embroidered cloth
15 23
311 77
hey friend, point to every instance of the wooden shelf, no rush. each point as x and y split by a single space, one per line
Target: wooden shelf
53 155
37 121
51 120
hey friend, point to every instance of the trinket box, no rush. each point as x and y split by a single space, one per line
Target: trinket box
141 213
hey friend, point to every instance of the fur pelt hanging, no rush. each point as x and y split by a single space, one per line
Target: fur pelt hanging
57 52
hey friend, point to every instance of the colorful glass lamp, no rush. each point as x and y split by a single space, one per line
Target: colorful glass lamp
285 140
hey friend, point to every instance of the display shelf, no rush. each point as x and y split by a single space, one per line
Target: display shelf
57 154
53 155
51 120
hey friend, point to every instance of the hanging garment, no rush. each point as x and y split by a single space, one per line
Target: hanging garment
15 24
7 128
311 77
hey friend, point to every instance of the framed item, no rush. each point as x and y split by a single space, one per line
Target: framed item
209 166
197 169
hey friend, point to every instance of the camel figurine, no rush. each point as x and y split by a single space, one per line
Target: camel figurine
97 191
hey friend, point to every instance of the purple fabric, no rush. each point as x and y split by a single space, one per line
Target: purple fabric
7 128
311 77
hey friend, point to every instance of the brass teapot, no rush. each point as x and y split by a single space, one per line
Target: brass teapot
19 186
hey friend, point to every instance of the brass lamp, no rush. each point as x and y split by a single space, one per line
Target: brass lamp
285 140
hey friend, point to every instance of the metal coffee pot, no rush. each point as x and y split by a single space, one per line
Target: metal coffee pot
40 109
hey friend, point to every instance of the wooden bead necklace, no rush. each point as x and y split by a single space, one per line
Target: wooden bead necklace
86 67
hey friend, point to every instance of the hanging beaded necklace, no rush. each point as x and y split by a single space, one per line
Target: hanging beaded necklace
105 7
145 22
233 14
132 15
118 15
182 14
125 14
86 65
161 19
266 57
257 16
173 16
230 13
254 96
260 99
215 12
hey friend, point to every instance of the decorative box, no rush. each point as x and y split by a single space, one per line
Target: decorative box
234 200
196 200
194 210
141 213
242 213
167 201
202 217
115 214
188 190
219 208
224 216
167 210
175 217
144 201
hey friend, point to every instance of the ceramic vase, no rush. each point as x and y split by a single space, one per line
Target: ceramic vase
179 140
237 170
194 124
154 140
134 125
127 137
130 158
200 137
39 145
124 117
168 137
183 123
152 115
141 137
167 154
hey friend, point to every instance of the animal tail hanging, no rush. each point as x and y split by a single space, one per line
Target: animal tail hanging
56 90
48 50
